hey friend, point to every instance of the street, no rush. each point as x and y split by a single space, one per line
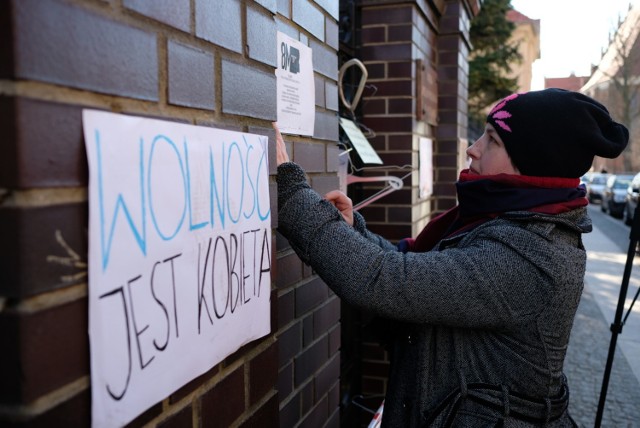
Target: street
586 357
613 228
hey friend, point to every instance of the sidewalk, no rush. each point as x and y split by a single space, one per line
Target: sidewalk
590 339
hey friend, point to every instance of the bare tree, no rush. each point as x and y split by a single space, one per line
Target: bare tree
620 82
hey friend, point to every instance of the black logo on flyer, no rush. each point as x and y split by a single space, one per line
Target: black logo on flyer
290 58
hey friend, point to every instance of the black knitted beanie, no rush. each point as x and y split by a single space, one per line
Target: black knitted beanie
556 133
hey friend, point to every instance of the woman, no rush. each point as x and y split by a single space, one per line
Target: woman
486 294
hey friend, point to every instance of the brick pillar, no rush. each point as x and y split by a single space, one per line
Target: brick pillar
453 75
416 56
390 46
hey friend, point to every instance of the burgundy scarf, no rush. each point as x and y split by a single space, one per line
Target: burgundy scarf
485 197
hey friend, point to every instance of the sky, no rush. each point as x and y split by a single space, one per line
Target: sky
572 33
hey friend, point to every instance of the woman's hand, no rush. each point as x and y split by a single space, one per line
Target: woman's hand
343 203
281 148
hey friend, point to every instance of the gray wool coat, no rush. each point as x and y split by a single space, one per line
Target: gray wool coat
483 319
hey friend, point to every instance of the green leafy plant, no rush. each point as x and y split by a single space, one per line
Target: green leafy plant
491 58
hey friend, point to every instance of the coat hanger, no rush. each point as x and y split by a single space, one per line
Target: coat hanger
393 183
351 105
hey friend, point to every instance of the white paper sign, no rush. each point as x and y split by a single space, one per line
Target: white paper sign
296 102
426 167
179 255
360 143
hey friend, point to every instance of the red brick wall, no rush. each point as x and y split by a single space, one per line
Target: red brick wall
398 46
416 55
190 61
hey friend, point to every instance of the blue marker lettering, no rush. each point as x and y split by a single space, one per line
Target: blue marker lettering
253 188
149 191
234 144
140 238
262 161
189 206
214 192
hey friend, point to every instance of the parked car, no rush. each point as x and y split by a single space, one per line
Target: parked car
585 178
631 199
615 193
595 186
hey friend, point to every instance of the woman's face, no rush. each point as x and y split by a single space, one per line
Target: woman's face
489 156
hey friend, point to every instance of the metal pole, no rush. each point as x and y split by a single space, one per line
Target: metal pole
616 326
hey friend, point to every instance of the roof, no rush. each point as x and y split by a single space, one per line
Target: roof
570 83
516 17
520 18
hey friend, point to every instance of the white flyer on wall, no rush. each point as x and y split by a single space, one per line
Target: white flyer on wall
295 87
426 167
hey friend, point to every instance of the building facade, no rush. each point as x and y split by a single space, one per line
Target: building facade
527 37
210 64
615 82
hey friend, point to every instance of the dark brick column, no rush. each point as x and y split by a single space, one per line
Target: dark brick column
453 75
416 56
397 39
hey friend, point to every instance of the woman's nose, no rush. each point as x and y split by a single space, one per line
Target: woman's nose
472 150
